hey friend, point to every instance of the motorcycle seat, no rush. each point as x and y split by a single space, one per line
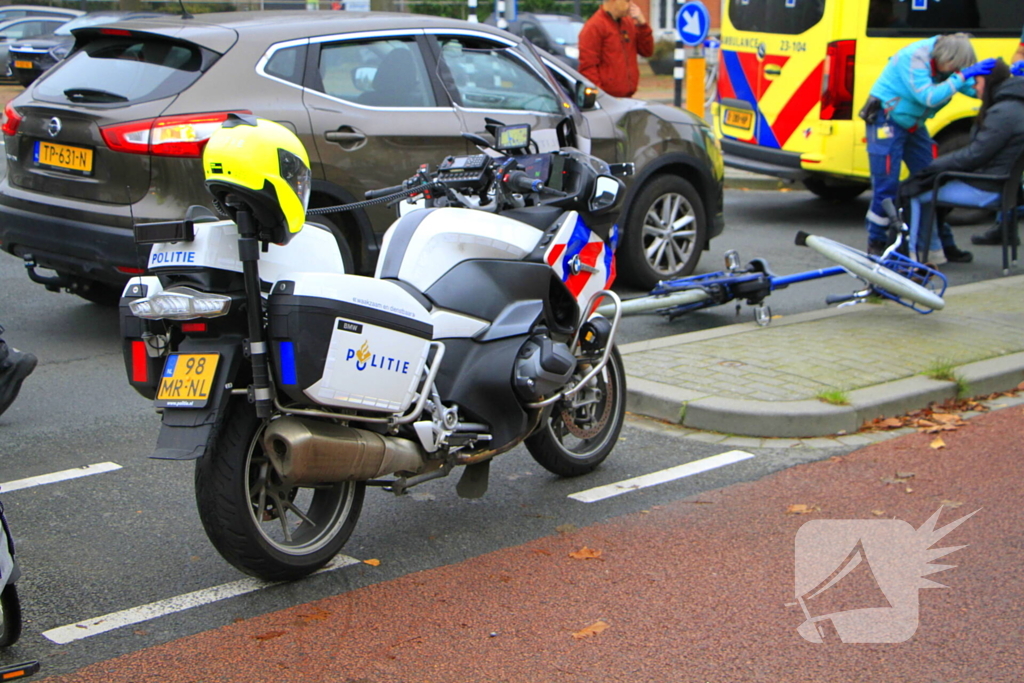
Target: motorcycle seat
540 217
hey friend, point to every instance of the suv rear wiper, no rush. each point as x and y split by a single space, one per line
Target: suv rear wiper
90 95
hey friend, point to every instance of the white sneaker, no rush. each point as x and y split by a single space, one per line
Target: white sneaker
936 257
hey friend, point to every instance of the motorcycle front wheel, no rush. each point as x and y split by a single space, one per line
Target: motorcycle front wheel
578 433
10 616
259 525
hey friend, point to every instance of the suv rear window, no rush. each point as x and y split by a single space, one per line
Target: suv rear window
995 18
125 70
776 16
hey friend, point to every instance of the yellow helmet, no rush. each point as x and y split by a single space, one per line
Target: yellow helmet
260 165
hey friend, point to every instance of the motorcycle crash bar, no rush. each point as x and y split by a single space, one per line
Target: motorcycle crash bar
599 366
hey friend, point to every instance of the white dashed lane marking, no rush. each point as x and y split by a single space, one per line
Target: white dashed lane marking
671 474
85 471
135 615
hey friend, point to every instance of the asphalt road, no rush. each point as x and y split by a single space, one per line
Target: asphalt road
98 544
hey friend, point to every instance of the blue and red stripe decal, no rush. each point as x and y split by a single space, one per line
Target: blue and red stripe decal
739 80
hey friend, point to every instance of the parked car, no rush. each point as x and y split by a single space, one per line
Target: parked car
33 55
12 30
115 132
9 12
557 34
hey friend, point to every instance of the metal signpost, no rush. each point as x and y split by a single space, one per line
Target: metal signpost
692 24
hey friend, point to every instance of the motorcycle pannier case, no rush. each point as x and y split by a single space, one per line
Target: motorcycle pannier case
348 341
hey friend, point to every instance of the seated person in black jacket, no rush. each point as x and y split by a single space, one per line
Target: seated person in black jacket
996 142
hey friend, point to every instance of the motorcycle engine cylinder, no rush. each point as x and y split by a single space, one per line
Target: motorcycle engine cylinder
543 367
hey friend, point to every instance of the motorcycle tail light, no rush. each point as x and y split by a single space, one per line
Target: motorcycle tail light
181 303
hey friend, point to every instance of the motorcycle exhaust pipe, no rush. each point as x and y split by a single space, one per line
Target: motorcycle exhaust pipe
306 452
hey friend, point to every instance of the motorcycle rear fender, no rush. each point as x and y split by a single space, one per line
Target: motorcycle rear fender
186 433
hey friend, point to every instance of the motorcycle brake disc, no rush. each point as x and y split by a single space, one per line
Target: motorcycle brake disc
594 428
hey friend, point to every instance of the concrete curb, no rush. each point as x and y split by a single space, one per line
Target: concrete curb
756 182
810 418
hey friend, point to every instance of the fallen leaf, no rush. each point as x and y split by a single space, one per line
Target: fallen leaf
591 630
310 617
585 553
878 513
372 563
951 503
898 478
909 490
801 509
891 423
540 551
269 635
938 443
946 417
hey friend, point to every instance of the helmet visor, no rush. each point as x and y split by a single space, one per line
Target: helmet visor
295 172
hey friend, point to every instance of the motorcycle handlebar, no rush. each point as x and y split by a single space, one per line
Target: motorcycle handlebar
373 194
521 182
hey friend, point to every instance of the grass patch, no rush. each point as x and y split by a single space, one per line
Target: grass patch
945 370
836 397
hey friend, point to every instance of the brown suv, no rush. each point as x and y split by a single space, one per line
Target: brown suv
114 133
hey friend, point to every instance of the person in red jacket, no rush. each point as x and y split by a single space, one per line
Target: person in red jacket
609 44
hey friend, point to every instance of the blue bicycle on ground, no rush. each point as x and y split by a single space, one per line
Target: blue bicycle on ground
893 275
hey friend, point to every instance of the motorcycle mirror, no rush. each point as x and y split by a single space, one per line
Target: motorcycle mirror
477 140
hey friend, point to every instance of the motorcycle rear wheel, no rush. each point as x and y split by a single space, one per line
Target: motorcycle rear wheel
10 616
596 424
260 526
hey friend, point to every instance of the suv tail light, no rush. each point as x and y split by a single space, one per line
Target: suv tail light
837 81
12 119
166 136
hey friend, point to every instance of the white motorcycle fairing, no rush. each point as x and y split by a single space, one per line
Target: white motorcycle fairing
216 246
440 239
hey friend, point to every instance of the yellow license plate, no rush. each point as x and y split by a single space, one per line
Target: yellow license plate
187 380
64 156
21 64
739 119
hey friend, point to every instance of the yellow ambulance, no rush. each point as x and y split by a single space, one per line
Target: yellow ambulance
794 73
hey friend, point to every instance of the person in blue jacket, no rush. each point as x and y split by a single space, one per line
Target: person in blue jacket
917 82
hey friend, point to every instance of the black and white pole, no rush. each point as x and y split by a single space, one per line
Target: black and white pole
678 61
472 12
501 14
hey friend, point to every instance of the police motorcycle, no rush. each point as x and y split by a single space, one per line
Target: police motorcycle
294 385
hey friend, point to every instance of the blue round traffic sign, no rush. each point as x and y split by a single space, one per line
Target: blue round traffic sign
693 23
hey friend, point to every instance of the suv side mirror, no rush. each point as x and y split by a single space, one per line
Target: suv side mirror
586 96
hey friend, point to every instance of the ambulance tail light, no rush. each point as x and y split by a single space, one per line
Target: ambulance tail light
837 81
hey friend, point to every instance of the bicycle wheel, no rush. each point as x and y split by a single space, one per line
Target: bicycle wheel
864 267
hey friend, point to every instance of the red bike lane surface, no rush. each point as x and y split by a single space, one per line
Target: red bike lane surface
690 591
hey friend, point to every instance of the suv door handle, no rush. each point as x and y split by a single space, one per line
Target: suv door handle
344 134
